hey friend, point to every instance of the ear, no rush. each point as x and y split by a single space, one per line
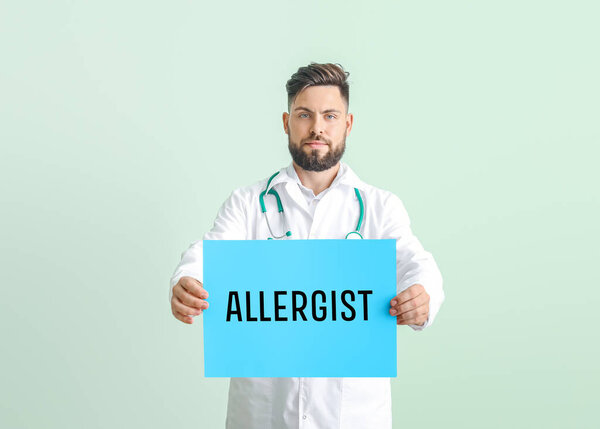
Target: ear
286 117
349 122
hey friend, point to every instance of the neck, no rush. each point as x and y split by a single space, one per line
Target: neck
318 181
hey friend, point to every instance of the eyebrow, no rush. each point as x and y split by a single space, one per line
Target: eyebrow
324 111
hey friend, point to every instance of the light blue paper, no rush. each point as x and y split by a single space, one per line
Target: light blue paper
357 348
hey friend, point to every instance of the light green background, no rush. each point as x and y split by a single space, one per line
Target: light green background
125 125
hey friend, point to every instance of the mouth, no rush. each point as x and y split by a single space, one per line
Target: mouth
315 144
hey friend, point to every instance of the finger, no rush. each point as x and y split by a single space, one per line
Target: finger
411 316
179 306
193 287
414 303
408 294
184 318
418 321
183 308
187 298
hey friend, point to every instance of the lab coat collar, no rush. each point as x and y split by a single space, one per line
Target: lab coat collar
345 176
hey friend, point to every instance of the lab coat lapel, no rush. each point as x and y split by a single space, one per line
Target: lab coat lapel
295 194
287 179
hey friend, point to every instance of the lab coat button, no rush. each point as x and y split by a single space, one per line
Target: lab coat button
304 417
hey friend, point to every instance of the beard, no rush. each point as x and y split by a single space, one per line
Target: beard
311 161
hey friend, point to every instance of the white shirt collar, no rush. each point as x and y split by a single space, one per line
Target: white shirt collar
345 176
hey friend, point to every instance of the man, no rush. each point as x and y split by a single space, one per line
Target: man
319 198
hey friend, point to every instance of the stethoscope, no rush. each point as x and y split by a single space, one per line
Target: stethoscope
288 233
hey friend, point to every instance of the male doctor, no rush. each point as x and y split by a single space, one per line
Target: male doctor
319 198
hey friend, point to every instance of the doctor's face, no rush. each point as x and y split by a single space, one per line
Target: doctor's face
317 125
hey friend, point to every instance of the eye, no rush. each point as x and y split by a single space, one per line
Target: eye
331 116
303 115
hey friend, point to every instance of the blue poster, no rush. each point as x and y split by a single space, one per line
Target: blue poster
299 308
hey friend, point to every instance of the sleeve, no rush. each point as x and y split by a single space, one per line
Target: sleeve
413 263
230 224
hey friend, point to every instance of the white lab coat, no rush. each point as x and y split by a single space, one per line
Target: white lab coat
346 403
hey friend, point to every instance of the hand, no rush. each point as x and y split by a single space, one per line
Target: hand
411 306
189 299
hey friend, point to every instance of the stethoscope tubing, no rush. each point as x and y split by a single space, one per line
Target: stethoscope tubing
288 233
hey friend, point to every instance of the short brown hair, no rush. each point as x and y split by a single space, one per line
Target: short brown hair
318 75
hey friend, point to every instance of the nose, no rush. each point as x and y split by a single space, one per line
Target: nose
317 127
